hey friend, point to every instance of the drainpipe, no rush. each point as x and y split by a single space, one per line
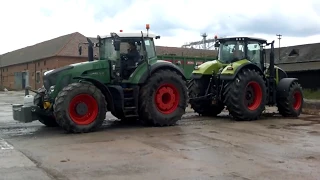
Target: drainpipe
1 69
35 74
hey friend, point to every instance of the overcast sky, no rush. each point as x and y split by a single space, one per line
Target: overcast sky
26 23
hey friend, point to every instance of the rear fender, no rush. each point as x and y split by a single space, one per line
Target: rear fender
160 64
103 88
284 86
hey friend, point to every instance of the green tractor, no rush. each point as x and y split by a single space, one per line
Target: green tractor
243 81
76 97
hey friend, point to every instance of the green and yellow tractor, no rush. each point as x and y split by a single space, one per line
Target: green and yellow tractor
77 97
243 80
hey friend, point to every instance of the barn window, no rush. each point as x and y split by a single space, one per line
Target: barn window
44 62
38 77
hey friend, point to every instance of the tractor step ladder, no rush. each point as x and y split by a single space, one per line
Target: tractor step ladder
130 104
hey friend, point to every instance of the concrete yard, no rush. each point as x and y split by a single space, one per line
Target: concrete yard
197 148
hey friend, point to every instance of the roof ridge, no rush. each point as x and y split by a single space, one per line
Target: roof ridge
26 47
62 48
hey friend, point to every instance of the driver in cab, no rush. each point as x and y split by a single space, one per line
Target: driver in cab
237 54
133 55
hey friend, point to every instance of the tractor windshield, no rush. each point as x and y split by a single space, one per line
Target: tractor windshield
106 50
231 51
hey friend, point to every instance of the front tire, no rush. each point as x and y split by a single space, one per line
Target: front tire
49 121
291 106
80 108
245 97
205 108
163 99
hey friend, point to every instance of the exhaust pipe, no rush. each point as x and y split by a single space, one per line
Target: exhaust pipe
90 50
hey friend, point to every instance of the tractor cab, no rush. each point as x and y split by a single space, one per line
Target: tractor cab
127 51
233 49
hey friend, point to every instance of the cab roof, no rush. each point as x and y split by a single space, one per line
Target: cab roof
242 38
128 35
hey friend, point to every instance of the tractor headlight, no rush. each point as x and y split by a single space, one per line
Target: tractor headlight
51 89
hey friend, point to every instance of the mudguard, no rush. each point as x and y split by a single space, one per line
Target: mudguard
160 64
103 88
230 74
207 69
284 86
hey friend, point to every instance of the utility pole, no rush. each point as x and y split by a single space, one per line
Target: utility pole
279 37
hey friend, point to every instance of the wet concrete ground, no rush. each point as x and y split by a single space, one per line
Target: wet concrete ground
197 148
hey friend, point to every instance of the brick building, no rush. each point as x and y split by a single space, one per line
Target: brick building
27 65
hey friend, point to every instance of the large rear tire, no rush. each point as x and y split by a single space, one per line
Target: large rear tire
197 88
163 99
291 106
245 97
80 108
49 121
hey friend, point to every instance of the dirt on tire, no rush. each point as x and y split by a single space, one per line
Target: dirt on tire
291 106
237 92
65 97
149 114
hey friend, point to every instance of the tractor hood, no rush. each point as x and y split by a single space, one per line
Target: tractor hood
64 75
208 68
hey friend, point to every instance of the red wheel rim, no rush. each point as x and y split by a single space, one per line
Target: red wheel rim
297 100
167 98
253 101
86 102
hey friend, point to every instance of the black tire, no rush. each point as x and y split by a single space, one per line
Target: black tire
49 121
149 112
237 91
291 106
91 97
197 88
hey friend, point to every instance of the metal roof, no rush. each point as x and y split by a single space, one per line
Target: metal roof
125 35
49 48
242 38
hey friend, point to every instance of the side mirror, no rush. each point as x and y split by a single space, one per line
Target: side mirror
116 44
80 50
157 37
216 44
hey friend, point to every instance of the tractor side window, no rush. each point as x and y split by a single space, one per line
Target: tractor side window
150 48
106 50
254 50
